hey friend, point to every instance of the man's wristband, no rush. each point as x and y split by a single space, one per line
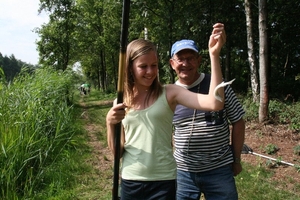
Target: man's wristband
237 160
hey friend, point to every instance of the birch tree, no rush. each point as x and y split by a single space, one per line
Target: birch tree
263 61
251 54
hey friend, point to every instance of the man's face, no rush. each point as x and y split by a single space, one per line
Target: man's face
185 63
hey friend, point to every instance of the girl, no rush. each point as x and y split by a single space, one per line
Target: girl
148 165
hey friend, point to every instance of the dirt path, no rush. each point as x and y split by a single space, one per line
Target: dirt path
101 158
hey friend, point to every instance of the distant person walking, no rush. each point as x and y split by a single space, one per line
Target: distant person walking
85 88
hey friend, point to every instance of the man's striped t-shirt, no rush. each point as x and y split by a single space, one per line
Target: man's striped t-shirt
202 138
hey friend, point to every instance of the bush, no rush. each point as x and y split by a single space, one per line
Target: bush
250 108
271 149
297 150
280 112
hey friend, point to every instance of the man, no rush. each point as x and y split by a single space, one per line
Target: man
207 157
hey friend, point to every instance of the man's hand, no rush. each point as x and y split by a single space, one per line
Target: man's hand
237 168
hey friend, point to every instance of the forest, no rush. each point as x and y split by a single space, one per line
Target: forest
87 33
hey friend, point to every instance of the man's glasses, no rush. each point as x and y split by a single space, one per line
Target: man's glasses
190 60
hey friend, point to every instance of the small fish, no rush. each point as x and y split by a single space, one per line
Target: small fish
223 84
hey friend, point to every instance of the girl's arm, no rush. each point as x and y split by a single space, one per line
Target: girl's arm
215 44
178 95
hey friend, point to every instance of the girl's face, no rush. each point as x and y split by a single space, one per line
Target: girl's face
145 69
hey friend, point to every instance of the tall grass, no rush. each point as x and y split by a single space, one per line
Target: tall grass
35 132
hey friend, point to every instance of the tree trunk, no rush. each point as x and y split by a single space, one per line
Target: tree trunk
98 76
103 72
170 27
263 61
251 55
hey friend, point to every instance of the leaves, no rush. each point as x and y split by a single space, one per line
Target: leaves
88 32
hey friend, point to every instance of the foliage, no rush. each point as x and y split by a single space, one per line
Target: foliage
2 78
280 112
36 133
88 32
285 113
271 149
251 109
56 45
97 33
297 150
285 54
12 67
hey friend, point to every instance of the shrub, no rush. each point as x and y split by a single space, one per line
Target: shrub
250 108
280 112
297 150
271 149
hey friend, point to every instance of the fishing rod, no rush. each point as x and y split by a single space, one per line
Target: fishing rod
248 150
120 90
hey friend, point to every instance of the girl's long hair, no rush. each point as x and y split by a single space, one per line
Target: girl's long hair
135 49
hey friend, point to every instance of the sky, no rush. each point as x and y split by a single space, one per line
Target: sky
18 18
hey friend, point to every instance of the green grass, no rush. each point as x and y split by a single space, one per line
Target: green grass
255 182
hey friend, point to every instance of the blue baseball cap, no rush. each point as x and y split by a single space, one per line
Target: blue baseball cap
183 44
